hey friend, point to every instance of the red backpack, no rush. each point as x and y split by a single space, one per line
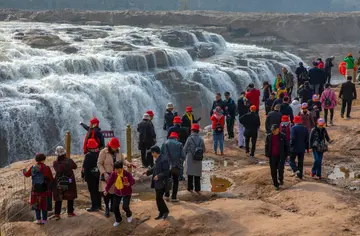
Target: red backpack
285 129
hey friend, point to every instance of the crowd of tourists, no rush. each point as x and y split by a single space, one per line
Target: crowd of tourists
295 124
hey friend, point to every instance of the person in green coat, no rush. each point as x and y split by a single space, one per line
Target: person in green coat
350 65
278 80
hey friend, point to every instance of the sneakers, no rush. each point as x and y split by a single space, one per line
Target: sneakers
129 219
277 188
43 222
38 222
116 224
175 200
71 214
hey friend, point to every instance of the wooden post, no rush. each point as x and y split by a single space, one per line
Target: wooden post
68 143
128 145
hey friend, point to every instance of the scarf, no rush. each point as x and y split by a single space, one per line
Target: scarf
189 116
119 183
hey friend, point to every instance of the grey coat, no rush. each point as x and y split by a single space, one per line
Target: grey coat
289 80
193 167
176 156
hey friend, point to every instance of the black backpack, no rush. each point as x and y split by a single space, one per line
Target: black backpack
38 180
198 154
63 180
219 128
327 102
304 76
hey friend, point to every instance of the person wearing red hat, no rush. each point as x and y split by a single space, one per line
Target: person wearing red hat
251 122
218 123
107 158
188 118
314 106
183 132
90 174
299 143
94 132
169 116
318 138
174 150
307 119
147 139
286 109
285 127
194 150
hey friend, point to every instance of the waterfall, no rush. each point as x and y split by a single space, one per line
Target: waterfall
116 75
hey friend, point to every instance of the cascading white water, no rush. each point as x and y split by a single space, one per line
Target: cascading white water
45 92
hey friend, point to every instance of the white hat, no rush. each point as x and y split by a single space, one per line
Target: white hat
169 105
60 150
146 116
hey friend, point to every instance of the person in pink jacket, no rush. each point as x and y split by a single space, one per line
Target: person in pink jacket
328 102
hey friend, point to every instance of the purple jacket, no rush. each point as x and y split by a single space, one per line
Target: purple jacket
329 94
127 190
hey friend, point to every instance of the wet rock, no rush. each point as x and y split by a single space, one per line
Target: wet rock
178 38
43 40
193 52
66 49
161 58
11 18
200 36
78 39
86 34
206 50
19 36
118 46
93 23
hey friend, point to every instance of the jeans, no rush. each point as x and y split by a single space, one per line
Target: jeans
253 138
38 214
125 206
70 207
160 201
300 164
289 91
326 111
316 169
277 165
348 104
230 126
175 187
218 138
241 135
191 180
316 88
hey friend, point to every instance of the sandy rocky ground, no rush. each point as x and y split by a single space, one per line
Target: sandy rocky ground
249 207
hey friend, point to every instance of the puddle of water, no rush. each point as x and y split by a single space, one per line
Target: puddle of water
212 183
341 172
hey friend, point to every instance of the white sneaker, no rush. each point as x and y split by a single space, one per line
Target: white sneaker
129 219
116 224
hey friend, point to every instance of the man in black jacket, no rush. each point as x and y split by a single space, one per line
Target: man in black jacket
301 74
243 106
317 78
147 139
180 130
328 66
230 113
217 103
251 122
273 118
278 101
276 149
169 116
286 110
347 94
305 92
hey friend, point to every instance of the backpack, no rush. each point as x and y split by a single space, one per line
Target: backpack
328 102
63 180
38 180
285 129
198 154
304 76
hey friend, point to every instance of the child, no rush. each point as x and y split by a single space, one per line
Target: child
282 89
218 122
269 103
306 117
123 181
41 194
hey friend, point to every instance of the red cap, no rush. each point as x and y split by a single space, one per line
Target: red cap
114 143
297 120
195 127
188 109
150 113
177 120
94 121
253 108
92 144
285 119
174 135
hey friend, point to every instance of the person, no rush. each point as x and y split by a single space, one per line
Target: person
251 122
321 64
289 81
41 190
278 80
282 90
305 92
107 158
169 116
269 103
350 65
188 119
174 150
295 106
91 175
217 103
286 110
316 78
278 101
299 143
193 147
328 102
266 91
243 106
301 74
273 118
318 138
177 128
93 131
285 127
276 149
253 96
160 176
307 119
358 68
147 138
230 113
329 64
121 181
151 115
314 106
65 182
218 123
347 94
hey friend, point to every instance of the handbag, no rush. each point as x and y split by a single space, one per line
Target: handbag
322 147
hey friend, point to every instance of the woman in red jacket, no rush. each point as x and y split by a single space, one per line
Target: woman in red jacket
253 96
218 122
